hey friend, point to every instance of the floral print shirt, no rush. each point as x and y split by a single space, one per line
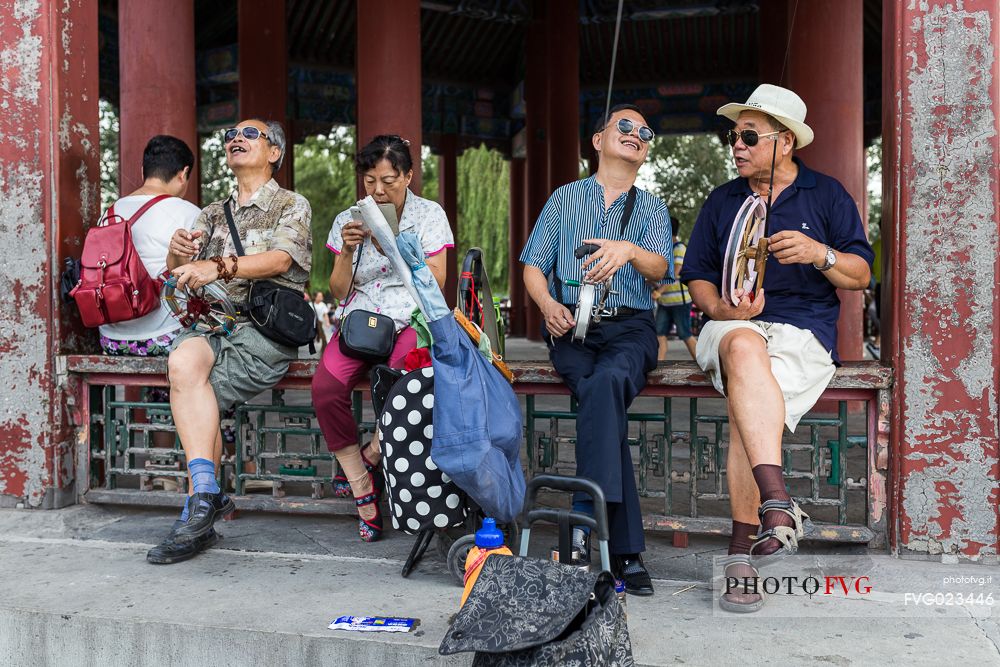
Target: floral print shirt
377 287
273 219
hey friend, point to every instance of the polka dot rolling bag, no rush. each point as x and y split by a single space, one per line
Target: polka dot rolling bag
421 497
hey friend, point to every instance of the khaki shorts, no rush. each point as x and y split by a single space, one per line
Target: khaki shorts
799 362
246 363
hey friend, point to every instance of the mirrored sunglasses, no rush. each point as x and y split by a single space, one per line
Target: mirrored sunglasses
249 132
626 125
749 137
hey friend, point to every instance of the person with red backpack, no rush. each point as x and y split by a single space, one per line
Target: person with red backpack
166 169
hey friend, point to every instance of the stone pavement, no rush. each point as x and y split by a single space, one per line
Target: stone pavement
76 590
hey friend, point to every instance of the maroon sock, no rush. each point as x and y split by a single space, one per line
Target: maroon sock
771 484
740 542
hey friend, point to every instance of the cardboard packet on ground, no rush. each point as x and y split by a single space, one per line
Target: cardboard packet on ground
373 624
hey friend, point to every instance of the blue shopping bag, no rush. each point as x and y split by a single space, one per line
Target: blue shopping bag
477 425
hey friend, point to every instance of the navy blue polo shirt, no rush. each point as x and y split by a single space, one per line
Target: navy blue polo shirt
576 212
797 294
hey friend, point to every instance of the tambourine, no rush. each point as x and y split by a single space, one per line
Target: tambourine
746 252
206 308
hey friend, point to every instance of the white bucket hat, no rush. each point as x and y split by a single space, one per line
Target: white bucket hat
781 103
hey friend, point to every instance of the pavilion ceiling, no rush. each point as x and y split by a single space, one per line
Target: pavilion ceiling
469 46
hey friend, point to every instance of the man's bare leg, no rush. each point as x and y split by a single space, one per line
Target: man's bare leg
744 498
192 400
661 342
755 401
757 408
196 415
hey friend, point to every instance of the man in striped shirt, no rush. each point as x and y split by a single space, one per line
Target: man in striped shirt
608 370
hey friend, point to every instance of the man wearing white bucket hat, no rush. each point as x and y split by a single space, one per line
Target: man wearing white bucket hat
771 350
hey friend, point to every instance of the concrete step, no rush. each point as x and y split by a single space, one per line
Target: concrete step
76 590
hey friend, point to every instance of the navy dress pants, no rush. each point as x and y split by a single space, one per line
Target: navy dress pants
605 373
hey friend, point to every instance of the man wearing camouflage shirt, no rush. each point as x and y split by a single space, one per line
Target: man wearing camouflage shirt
210 372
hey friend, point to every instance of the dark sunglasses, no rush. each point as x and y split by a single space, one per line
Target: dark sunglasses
249 132
625 126
749 137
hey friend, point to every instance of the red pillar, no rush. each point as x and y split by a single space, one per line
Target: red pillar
564 92
518 296
157 83
941 229
263 70
827 37
537 188
448 196
49 189
388 73
774 17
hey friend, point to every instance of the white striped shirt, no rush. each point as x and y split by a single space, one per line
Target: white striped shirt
576 212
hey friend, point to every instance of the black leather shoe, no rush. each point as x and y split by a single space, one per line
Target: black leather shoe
171 551
631 570
206 509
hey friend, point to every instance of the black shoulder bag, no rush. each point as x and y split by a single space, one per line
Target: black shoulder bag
365 335
278 312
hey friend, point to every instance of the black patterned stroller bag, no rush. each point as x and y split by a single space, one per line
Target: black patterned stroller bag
526 611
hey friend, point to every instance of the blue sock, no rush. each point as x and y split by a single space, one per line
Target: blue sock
186 512
203 476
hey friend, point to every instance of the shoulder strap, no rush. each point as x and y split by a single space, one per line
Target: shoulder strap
235 235
354 274
629 207
142 209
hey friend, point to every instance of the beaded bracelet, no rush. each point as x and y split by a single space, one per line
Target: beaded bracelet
232 274
220 265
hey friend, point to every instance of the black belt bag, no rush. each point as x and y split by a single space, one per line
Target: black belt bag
279 313
367 336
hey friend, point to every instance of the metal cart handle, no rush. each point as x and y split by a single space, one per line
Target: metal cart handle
598 522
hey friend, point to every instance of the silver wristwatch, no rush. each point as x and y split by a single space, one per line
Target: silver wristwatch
831 259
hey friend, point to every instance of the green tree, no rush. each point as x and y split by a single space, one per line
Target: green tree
107 121
873 160
684 169
217 182
324 174
429 181
484 211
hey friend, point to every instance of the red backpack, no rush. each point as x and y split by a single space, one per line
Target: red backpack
114 284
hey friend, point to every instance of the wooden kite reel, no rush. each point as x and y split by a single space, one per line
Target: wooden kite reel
746 252
590 302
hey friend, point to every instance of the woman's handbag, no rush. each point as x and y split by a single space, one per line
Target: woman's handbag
365 335
526 611
278 312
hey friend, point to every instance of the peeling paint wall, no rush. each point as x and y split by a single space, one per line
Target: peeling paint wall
48 187
945 293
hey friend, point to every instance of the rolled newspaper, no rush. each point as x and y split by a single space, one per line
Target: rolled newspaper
375 223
